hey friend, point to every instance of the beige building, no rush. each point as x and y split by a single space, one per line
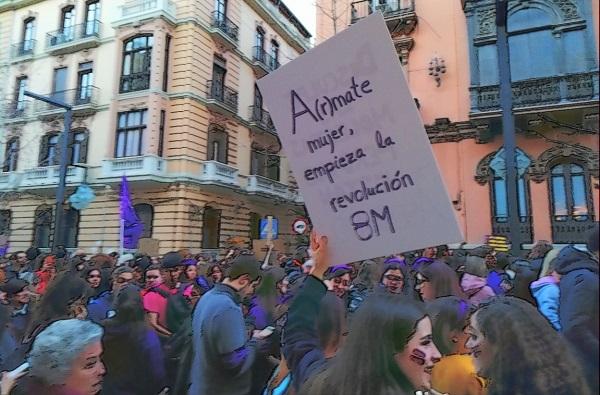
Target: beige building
163 91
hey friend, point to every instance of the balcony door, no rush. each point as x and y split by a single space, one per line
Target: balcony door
221 11
218 78
67 23
92 18
59 86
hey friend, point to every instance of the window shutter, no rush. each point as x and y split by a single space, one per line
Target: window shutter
43 155
84 148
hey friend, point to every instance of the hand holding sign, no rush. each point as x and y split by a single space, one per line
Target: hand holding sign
320 254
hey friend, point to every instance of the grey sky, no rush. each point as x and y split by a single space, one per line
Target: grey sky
305 12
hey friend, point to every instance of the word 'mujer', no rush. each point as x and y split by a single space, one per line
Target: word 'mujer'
364 191
326 106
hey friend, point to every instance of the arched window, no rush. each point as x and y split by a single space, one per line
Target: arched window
217 144
11 155
137 57
49 150
211 227
255 226
42 226
71 228
78 147
145 213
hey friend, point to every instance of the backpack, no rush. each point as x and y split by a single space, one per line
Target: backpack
178 307
179 353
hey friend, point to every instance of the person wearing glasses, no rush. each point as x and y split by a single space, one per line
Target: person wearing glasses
338 280
100 308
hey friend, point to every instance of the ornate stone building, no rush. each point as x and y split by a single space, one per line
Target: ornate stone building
448 50
163 91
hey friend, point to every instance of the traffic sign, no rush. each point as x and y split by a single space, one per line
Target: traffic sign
300 225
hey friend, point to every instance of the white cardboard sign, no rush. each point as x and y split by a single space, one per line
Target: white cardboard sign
357 147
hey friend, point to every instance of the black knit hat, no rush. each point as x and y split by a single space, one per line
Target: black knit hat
32 253
171 260
13 286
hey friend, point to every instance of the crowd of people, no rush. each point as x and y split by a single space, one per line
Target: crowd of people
435 321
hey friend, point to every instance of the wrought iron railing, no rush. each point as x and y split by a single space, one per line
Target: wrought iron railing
137 7
223 94
24 48
261 118
266 59
73 33
135 82
16 109
572 229
537 92
224 24
390 8
81 96
500 227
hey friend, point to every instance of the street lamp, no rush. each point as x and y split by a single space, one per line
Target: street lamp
508 126
63 145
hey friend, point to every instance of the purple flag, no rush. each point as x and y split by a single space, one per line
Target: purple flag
133 227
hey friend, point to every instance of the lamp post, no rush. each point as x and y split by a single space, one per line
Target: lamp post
63 145
508 126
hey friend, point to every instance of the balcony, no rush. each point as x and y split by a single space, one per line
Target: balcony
223 30
135 82
260 120
538 93
221 98
500 227
265 186
134 167
83 99
43 177
16 111
138 10
23 50
262 62
9 180
399 15
74 38
219 173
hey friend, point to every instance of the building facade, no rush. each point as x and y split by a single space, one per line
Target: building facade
449 54
163 92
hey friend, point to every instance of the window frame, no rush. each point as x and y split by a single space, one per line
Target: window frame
567 177
206 243
128 57
141 128
217 134
48 212
11 155
148 225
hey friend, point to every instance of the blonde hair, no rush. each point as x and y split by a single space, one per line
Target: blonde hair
548 264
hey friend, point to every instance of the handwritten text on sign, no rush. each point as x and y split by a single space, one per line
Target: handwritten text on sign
355 142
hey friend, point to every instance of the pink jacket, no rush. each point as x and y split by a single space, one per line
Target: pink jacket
476 288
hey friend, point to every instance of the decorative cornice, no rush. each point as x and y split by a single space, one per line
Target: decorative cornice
403 46
444 131
541 166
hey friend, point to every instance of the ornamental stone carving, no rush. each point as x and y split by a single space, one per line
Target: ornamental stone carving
541 166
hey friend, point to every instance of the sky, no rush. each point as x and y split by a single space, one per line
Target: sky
305 12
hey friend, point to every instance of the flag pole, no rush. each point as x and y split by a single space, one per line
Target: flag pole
121 237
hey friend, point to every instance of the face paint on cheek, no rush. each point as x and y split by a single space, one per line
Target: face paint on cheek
417 356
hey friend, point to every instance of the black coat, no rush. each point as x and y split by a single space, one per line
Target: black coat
578 308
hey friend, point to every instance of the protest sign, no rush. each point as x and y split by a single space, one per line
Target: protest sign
357 147
148 246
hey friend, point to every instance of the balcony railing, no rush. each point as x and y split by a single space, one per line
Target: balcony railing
133 166
84 96
135 82
390 8
261 119
538 92
135 10
9 180
49 176
500 227
74 35
16 110
222 94
213 171
222 23
23 49
264 59
571 229
260 184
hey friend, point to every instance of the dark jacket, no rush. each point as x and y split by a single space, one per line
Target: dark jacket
578 307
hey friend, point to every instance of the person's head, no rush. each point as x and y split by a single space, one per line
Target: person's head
172 266
20 258
524 275
449 318
307 266
153 277
32 253
540 249
128 305
395 277
549 264
487 253
16 292
49 263
243 275
389 350
215 273
190 270
437 279
125 259
93 277
429 252
67 354
519 352
103 261
331 324
338 279
139 267
121 276
476 266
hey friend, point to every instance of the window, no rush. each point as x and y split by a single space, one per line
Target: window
92 18
11 155
166 69
59 87
265 164
130 131
259 45
221 9
218 79
498 185
211 227
67 23
570 194
217 144
161 133
255 226
28 35
71 228
137 57
274 54
258 99
78 142
145 213
5 218
42 227
20 88
49 150
85 82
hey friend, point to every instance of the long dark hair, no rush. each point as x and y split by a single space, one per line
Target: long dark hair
448 314
365 365
530 357
442 278
128 306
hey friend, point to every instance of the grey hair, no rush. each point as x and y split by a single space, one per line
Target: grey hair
55 348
